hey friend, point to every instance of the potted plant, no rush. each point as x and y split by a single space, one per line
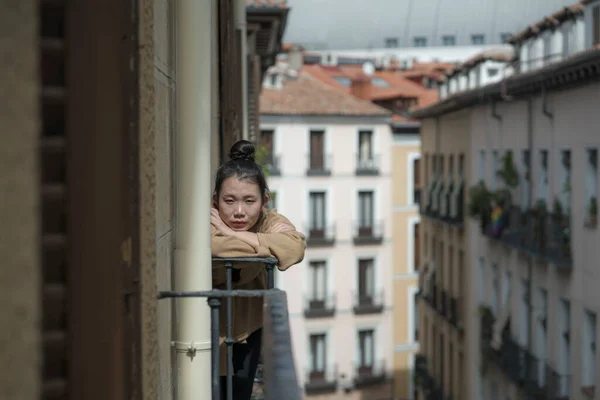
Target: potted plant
508 173
479 203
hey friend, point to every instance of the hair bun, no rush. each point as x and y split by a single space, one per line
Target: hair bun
242 150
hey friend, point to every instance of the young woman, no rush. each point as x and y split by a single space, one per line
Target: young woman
242 227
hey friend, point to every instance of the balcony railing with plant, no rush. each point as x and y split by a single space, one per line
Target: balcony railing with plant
536 231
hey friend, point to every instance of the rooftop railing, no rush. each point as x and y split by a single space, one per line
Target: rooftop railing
278 368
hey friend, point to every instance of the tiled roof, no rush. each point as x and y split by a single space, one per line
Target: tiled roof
267 3
549 22
307 95
399 86
494 54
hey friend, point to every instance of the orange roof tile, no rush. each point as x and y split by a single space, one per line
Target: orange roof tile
307 95
549 22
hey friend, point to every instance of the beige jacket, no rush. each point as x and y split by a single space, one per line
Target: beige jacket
247 312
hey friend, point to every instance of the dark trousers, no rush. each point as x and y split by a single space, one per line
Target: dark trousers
245 363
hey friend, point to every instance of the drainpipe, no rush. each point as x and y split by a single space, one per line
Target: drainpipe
530 205
545 109
241 31
195 70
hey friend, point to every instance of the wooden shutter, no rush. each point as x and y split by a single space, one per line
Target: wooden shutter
316 150
55 321
417 173
254 86
596 25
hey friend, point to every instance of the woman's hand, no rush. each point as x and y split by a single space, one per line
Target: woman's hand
217 222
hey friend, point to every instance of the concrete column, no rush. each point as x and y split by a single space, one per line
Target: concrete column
195 56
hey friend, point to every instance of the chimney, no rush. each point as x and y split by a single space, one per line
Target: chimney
361 87
296 57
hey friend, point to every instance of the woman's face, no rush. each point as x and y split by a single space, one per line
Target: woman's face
240 203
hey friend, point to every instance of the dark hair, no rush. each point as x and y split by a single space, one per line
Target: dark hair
241 164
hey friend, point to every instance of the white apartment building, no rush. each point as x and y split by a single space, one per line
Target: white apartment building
330 157
533 276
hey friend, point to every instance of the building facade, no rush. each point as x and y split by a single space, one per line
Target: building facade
530 147
406 197
91 218
330 170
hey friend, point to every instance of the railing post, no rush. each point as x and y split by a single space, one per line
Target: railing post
229 340
215 305
270 275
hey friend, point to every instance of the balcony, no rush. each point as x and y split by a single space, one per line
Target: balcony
533 376
446 203
370 375
546 236
319 306
425 381
368 232
278 361
367 303
320 381
271 165
318 165
367 166
455 313
322 236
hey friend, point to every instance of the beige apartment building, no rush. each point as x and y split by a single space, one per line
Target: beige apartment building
406 196
111 113
526 269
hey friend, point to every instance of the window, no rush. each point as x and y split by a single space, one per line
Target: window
461 166
317 284
415 306
541 337
366 281
495 168
477 39
365 149
391 42
491 72
504 36
589 350
591 182
317 215
420 41
317 150
379 82
365 213
524 313
482 165
417 186
564 336
481 280
366 350
542 189
318 356
448 40
564 180
525 172
596 25
495 290
342 80
416 251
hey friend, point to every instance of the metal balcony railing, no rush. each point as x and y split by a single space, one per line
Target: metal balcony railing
318 164
367 166
320 234
319 306
368 374
278 361
319 380
368 302
368 232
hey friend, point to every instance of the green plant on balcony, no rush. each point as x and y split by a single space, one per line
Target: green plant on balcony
508 173
479 200
502 197
557 209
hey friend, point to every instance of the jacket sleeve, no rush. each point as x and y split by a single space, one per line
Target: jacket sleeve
230 247
287 247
